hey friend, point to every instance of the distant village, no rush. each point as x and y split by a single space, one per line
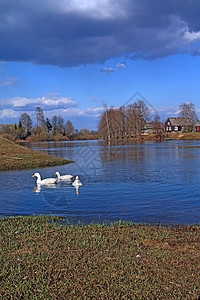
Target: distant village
174 125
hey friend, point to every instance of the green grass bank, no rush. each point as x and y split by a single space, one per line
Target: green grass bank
16 157
41 259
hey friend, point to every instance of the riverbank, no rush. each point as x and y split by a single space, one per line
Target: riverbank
17 157
42 259
144 137
58 138
173 136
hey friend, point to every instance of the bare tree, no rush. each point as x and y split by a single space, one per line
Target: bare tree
142 115
40 117
54 122
187 111
157 125
61 125
131 118
107 122
124 122
26 122
69 128
102 126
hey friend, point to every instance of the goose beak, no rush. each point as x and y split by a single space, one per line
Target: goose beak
55 174
33 175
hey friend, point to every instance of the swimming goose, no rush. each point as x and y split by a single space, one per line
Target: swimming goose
77 182
63 177
44 181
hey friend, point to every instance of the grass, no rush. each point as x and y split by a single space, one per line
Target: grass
43 259
185 136
175 136
16 157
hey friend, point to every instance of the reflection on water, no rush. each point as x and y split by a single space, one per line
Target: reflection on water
142 182
42 188
77 190
39 187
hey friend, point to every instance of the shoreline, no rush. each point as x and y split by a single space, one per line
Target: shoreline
16 157
150 137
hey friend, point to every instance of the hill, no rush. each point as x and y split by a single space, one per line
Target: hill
16 157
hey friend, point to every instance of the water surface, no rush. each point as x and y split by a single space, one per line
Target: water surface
149 182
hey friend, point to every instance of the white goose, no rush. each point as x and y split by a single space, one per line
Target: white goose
77 182
63 177
44 181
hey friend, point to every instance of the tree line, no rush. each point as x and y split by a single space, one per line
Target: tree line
114 124
44 129
130 122
123 122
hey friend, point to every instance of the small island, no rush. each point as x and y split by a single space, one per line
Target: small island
17 157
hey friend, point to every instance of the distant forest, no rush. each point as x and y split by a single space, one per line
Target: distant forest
44 129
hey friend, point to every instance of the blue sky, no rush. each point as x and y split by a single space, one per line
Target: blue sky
71 57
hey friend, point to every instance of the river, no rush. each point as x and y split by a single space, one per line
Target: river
149 182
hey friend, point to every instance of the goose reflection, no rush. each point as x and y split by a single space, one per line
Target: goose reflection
77 190
38 188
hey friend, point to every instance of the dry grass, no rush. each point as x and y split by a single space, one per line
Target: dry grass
42 259
186 136
174 136
16 157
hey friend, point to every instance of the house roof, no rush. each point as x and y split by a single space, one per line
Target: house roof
177 121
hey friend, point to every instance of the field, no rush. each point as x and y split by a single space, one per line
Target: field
16 157
45 258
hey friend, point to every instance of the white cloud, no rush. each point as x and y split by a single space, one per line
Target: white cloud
8 80
49 101
108 70
112 70
167 111
92 99
99 9
120 66
51 104
91 111
8 113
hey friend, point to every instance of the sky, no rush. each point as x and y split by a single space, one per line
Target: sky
71 57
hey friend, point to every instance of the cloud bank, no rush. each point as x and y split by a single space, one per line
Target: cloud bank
51 104
74 32
47 102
